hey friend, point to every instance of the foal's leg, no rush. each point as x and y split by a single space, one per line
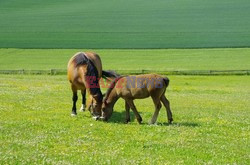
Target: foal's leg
132 106
74 99
157 109
83 100
127 112
167 106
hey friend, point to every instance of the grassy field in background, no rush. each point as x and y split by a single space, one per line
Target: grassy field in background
131 59
124 24
211 124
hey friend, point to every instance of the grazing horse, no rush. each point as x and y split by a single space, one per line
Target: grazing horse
84 71
137 87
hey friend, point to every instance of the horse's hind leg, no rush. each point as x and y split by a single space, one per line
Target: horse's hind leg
74 99
157 104
127 112
83 100
132 106
167 106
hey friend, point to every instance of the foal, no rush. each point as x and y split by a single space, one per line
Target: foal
137 87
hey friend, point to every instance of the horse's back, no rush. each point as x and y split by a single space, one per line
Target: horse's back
141 86
77 67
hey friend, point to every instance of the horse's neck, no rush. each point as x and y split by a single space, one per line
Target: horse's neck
96 95
113 97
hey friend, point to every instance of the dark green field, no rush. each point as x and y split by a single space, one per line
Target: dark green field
124 24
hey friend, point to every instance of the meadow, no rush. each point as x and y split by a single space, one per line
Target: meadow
124 24
211 124
211 113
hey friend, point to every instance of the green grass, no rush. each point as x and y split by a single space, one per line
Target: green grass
131 59
211 124
124 24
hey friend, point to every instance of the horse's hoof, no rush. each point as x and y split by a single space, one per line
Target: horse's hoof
73 114
139 120
170 121
126 121
82 109
152 123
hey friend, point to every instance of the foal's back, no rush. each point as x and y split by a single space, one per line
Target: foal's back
141 86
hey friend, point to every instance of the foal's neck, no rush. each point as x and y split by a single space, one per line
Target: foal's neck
113 97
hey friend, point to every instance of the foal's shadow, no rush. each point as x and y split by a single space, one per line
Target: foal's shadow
119 117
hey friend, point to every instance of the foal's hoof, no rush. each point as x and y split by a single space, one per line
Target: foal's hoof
152 123
73 114
126 121
170 121
139 120
82 109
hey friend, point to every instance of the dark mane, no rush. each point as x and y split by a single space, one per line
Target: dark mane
111 86
109 74
82 59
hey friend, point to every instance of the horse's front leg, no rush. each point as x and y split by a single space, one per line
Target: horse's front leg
83 107
132 106
74 99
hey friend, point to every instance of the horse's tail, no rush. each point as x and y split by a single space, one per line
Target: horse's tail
166 81
109 74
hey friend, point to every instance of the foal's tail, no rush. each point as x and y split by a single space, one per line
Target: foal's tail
109 74
166 80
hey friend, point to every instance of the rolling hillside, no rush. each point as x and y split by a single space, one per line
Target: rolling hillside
124 24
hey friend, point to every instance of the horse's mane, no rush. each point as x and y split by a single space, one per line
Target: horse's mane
109 74
111 87
82 59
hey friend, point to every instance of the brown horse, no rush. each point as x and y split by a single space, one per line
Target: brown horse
137 87
84 71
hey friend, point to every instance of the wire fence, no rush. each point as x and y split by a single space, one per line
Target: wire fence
134 72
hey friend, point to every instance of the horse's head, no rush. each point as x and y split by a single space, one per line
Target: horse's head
95 106
107 110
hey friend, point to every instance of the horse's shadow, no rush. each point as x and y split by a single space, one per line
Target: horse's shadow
119 118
